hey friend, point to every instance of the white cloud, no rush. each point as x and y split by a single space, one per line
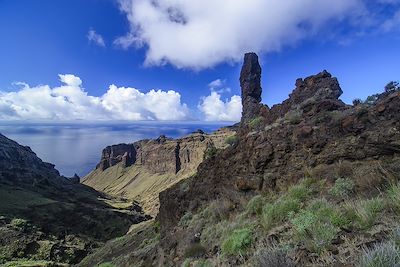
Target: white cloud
202 33
95 38
70 102
214 109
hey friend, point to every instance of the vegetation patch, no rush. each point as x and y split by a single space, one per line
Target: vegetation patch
238 242
342 188
256 123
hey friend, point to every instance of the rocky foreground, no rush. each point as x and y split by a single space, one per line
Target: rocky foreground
308 182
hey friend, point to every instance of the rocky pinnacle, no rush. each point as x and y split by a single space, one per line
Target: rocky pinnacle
250 83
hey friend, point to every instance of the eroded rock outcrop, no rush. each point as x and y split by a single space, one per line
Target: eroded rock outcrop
312 131
250 83
115 154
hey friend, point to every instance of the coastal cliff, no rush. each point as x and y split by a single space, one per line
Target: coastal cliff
141 170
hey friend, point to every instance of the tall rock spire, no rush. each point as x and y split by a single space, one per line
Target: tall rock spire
250 82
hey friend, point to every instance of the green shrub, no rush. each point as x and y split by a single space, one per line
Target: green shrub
393 194
18 223
367 212
272 257
237 242
256 123
392 86
318 224
186 219
342 188
202 263
278 211
299 192
195 251
210 152
255 205
232 140
107 264
395 236
294 116
381 255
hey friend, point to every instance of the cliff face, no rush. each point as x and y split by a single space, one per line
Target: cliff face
141 170
47 217
312 132
20 164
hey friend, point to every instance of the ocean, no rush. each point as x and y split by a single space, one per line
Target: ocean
76 147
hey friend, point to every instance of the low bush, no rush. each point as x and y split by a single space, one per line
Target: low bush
272 257
278 211
232 140
393 194
342 188
294 116
381 255
186 219
367 212
256 123
195 251
210 152
18 223
107 264
237 242
318 224
255 205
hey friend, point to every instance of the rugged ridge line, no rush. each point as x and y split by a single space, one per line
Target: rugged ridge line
311 131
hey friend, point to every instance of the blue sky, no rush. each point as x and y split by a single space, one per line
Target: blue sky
132 44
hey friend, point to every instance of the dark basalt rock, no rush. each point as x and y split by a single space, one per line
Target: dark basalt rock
326 134
250 83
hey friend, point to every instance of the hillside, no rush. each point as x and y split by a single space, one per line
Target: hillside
47 217
309 182
140 171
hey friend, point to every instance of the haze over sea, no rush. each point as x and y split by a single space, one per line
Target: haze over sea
76 147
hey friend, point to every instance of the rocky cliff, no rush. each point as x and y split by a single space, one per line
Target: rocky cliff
44 216
140 171
312 133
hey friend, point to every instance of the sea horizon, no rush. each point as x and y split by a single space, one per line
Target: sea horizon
76 146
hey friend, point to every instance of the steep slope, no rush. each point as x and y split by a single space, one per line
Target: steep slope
140 171
44 216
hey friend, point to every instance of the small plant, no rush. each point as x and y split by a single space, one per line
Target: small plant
299 192
255 205
294 117
357 102
272 257
232 140
392 86
186 219
342 188
381 255
256 123
371 100
238 242
278 211
106 264
393 194
18 223
195 251
210 152
367 212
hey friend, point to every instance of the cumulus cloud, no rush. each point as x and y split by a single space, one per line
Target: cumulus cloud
214 108
202 33
95 38
71 102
